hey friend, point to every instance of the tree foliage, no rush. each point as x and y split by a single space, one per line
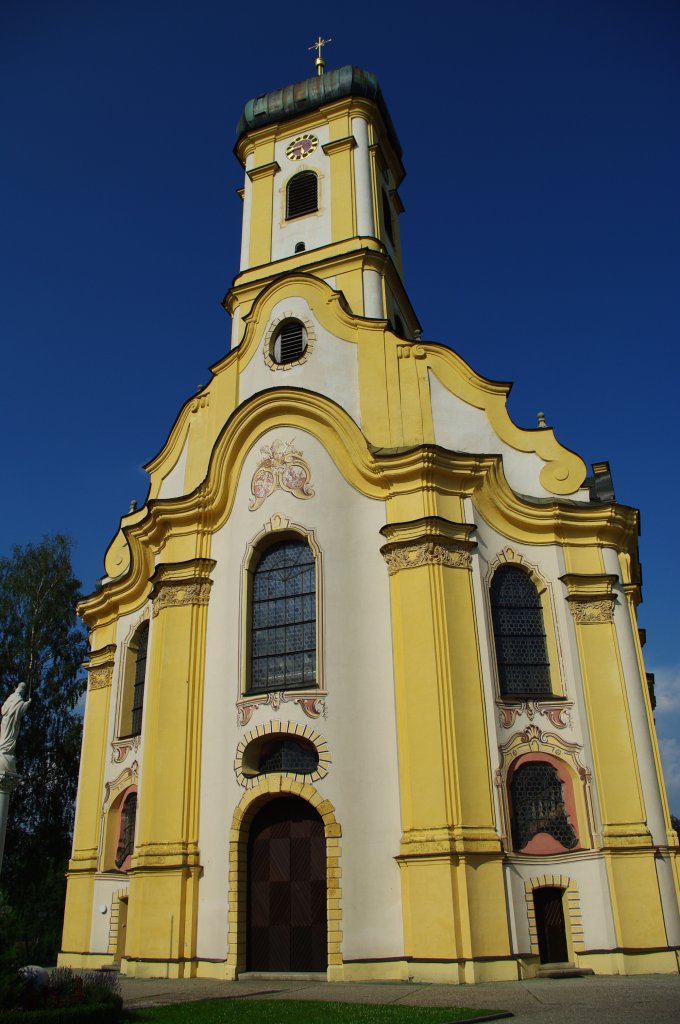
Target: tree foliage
41 643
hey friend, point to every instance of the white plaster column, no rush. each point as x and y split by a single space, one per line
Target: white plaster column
373 295
362 179
9 780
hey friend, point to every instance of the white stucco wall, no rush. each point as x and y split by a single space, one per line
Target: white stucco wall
331 366
173 483
314 229
464 428
359 726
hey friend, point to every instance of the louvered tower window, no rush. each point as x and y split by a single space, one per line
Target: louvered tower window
290 342
140 676
283 618
519 633
538 806
302 195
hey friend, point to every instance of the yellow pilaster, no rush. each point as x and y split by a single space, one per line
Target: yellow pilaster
340 153
627 843
262 208
84 860
450 856
165 866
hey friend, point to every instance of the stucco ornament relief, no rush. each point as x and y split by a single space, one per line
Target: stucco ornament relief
429 552
174 593
587 612
313 706
283 468
98 678
558 714
121 748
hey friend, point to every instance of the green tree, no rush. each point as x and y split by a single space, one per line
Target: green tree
42 643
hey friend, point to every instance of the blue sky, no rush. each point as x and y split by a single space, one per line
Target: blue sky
540 234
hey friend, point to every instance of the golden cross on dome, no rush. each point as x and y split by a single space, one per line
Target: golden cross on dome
319 62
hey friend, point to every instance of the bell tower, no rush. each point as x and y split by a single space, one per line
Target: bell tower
322 167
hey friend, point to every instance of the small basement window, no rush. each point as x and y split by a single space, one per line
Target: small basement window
302 195
290 342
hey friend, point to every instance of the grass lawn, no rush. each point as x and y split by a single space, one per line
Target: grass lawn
288 1011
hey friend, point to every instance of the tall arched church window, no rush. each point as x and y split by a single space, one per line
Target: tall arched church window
132 704
126 832
302 195
538 806
283 618
519 634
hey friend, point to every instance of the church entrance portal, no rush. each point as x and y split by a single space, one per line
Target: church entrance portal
287 929
552 936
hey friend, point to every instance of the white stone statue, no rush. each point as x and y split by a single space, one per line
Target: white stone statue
13 711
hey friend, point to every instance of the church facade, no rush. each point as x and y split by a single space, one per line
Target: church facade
366 693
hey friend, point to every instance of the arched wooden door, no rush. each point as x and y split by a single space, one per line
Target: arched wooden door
287 928
550 928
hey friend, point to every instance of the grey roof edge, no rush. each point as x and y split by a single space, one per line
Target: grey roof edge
293 100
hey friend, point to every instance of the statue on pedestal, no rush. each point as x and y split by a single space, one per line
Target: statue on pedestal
13 711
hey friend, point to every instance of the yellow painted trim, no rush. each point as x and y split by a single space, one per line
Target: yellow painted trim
398 475
564 471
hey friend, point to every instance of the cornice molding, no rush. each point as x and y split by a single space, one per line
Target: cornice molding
339 145
175 584
590 598
100 667
264 171
431 540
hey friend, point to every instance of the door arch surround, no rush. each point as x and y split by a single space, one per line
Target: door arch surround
252 801
573 918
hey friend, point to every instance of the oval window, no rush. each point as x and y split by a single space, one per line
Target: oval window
290 342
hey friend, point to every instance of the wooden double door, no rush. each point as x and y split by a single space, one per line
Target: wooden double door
287 928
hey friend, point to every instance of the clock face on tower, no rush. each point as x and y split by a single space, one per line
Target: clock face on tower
302 146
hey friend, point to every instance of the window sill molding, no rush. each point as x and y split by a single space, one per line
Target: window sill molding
312 700
556 709
121 747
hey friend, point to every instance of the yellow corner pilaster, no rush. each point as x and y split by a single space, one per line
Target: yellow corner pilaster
627 844
262 209
165 870
86 833
450 855
343 198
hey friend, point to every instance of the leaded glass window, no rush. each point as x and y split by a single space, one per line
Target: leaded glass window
283 618
538 806
128 821
140 676
289 756
519 632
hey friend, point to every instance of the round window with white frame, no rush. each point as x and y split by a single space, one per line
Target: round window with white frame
289 342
